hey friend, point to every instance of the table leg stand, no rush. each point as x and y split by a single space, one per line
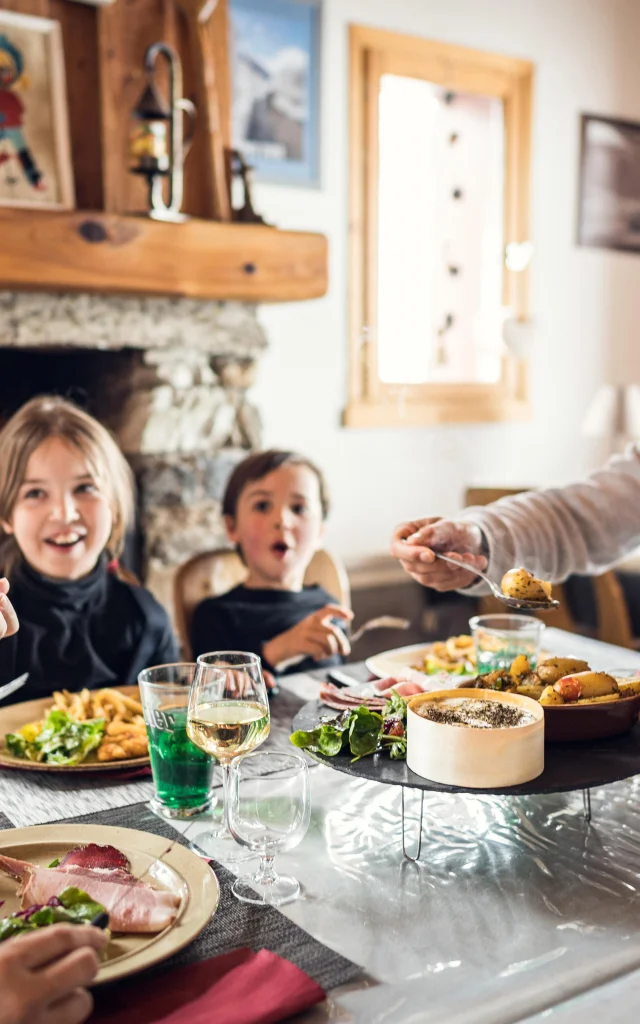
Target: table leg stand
404 848
586 803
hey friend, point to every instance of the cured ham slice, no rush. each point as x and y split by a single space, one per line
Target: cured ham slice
341 698
132 905
94 856
346 698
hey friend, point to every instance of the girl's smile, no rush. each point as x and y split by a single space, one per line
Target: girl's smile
62 518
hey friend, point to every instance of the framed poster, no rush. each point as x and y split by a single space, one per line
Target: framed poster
35 156
609 203
275 69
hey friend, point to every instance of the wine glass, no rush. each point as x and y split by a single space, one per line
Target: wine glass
228 716
268 810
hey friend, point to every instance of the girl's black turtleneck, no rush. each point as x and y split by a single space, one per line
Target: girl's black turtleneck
95 631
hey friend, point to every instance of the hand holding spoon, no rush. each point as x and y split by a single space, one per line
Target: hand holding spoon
511 602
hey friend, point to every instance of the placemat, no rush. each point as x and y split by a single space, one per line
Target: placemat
31 798
236 924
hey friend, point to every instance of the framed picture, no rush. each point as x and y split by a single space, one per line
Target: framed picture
609 202
276 51
35 157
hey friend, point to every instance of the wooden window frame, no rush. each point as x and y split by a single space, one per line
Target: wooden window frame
373 52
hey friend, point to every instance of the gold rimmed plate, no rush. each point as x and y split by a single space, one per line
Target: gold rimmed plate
180 871
14 716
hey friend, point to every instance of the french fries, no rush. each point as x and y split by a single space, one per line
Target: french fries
125 734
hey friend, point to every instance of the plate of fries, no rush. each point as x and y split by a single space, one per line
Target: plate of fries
121 743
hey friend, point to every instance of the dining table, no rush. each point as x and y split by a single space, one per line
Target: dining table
518 908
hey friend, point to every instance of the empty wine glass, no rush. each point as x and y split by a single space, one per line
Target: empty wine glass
228 716
268 811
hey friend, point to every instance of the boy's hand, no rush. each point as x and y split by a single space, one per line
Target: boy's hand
8 619
414 544
316 636
44 974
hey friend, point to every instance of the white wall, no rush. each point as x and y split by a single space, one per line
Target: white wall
585 301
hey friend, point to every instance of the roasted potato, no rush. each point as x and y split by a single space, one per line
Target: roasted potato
585 685
628 687
605 699
524 586
552 669
534 691
550 696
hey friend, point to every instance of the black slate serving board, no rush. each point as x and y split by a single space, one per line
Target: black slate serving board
568 766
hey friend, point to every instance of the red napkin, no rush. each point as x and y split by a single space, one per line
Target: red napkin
241 987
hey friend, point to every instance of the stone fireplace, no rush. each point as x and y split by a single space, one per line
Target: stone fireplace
169 377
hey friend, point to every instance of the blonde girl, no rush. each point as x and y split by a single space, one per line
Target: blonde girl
66 502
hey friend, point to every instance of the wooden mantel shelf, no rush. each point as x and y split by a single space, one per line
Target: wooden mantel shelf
200 259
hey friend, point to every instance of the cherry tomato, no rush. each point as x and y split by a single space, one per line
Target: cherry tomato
569 689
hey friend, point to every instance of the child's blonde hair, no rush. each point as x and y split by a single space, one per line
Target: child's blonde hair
49 416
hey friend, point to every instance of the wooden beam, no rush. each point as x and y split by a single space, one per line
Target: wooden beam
202 259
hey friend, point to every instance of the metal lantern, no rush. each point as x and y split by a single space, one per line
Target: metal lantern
158 144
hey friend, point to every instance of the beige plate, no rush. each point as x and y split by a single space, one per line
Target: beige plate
180 871
15 716
401 659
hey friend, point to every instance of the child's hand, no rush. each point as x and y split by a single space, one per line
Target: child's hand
316 636
8 619
44 974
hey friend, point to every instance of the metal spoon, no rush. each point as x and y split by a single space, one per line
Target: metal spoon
511 602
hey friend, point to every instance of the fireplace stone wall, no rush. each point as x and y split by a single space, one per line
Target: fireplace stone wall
169 377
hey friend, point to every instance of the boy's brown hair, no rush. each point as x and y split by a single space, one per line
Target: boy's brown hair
49 416
259 465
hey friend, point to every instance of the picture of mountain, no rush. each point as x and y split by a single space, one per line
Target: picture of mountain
275 77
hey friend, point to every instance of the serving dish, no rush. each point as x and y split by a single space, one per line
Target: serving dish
402 661
475 758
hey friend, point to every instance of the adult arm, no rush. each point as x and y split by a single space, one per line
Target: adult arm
583 528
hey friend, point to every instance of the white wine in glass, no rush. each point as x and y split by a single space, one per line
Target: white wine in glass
228 717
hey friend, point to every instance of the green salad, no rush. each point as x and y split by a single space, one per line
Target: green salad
59 740
361 732
72 906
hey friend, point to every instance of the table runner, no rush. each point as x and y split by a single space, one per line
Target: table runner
234 924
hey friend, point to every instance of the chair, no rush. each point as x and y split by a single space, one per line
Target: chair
612 614
215 572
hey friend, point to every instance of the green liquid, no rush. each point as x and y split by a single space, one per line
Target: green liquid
491 661
182 773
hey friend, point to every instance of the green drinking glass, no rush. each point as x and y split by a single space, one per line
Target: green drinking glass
182 772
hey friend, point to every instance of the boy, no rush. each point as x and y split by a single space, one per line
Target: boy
274 509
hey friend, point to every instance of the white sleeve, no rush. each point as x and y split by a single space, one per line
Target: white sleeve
583 528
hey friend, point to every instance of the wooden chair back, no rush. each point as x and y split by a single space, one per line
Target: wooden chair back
215 572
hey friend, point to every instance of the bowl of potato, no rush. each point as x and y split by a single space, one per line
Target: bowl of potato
579 704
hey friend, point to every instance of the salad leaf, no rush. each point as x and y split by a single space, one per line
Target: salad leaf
16 744
361 731
73 906
364 732
326 739
61 740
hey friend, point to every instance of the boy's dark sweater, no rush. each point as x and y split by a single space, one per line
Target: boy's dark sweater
245 619
93 632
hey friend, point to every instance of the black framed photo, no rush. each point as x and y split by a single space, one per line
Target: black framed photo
609 200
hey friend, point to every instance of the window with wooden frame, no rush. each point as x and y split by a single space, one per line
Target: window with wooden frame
439 231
